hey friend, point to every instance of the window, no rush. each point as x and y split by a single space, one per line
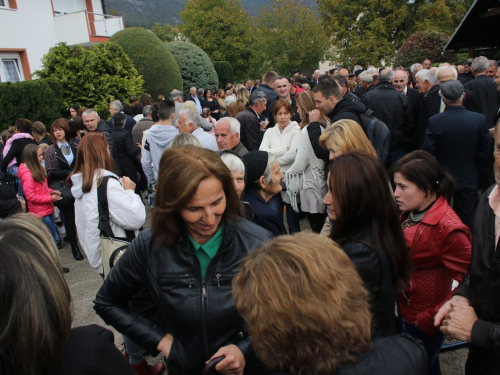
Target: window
4 3
68 6
10 68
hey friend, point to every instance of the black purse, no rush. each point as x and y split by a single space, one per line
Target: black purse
65 190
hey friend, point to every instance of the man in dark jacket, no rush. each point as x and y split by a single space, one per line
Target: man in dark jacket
144 124
116 106
9 204
393 108
459 140
93 123
329 101
250 120
125 150
267 87
472 314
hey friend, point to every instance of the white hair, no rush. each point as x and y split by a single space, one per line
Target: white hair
192 117
233 162
426 75
372 71
480 64
415 66
366 77
386 75
233 123
445 69
116 104
90 111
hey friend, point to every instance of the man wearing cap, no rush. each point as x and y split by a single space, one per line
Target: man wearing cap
176 97
459 139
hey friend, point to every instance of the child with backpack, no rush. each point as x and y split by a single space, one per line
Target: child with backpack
39 196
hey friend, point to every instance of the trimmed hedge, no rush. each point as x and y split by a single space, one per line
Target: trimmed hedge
420 46
153 61
37 100
196 67
225 72
92 78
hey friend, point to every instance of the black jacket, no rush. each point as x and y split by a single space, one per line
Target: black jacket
264 215
395 355
376 273
200 314
8 201
393 108
126 153
487 95
91 350
271 96
129 125
460 141
104 129
16 151
250 134
481 286
348 108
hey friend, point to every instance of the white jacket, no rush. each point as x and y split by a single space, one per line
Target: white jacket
283 145
126 212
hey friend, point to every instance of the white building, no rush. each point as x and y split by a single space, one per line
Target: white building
29 28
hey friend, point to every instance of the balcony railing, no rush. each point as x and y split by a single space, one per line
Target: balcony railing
104 24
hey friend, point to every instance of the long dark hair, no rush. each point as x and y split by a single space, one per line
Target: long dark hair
423 170
30 158
364 202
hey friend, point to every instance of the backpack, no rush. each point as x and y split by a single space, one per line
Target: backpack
377 132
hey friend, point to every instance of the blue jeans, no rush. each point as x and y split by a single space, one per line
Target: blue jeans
135 352
51 224
432 346
13 170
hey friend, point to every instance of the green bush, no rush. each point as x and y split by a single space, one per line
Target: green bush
37 100
420 46
152 60
225 72
196 67
91 78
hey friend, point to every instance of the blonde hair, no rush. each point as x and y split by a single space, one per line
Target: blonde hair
242 95
304 303
306 103
347 135
189 104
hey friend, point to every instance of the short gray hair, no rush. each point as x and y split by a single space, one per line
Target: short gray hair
257 96
192 117
185 139
116 104
366 77
146 111
90 111
480 64
415 66
233 123
426 75
372 71
445 69
271 159
233 162
386 75
493 63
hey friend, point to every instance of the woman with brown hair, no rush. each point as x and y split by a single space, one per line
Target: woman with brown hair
221 96
36 312
60 160
212 104
234 108
308 312
187 261
282 141
365 223
40 133
305 180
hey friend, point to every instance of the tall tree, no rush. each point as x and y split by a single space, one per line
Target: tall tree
290 35
165 32
223 29
366 31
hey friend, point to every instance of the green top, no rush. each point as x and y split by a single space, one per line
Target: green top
206 252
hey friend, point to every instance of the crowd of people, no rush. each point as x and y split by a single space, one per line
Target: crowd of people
223 276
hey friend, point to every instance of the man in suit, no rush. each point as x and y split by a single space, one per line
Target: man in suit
116 106
267 87
459 139
250 120
365 80
393 108
195 98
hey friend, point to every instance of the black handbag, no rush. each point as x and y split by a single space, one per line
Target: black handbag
67 197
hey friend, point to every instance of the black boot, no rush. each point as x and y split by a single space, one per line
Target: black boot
76 252
65 270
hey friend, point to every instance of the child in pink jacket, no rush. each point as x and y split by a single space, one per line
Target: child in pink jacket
39 196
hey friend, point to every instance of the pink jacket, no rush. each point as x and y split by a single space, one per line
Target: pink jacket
38 195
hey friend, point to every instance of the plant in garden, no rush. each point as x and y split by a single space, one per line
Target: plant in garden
420 46
224 72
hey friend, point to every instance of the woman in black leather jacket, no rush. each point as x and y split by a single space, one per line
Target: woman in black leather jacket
60 160
366 224
187 261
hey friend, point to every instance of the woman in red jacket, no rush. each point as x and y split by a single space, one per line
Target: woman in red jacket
39 196
439 245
